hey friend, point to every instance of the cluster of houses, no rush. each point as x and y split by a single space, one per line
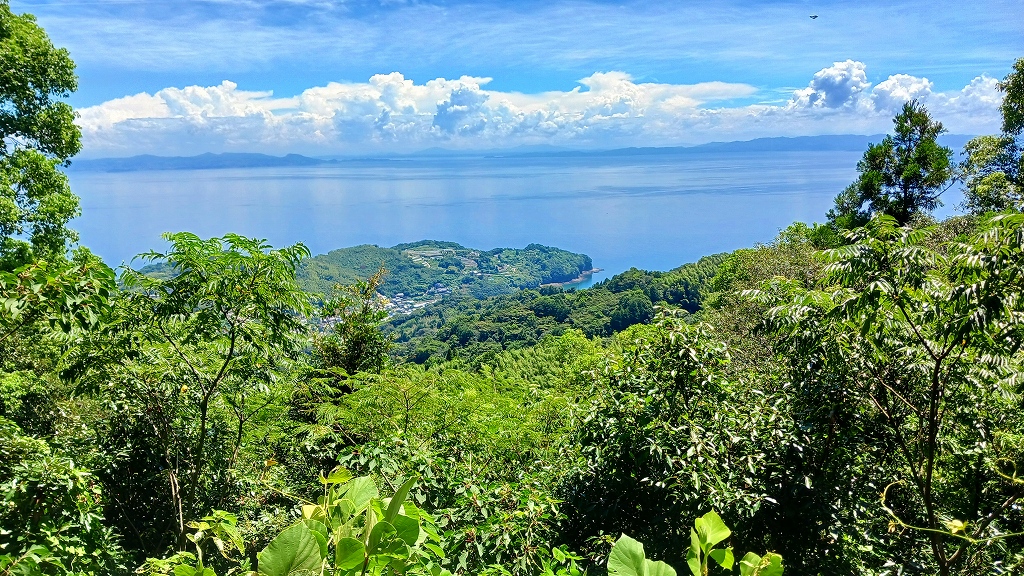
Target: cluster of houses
402 303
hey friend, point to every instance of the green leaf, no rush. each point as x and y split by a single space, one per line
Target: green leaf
337 476
297 551
711 529
693 554
693 563
313 511
627 558
361 491
346 506
754 565
435 549
349 553
183 570
408 529
774 567
321 541
657 568
724 557
379 534
396 501
398 566
316 526
749 563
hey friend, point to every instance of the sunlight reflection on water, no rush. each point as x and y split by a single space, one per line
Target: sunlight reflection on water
653 213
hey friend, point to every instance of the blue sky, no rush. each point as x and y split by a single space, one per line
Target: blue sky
299 73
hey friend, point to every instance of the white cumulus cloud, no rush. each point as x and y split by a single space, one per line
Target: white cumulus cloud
842 93
892 93
392 113
833 87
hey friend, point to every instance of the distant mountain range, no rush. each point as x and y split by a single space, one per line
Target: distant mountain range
206 161
209 161
830 143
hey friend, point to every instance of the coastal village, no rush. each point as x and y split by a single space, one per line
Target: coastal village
422 273
402 303
463 265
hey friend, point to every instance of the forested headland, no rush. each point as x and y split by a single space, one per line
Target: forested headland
415 268
844 399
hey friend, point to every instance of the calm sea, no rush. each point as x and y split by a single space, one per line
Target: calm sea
646 211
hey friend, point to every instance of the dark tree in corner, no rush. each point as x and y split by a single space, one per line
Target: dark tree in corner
901 176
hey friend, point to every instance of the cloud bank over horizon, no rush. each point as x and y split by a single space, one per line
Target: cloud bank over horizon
391 113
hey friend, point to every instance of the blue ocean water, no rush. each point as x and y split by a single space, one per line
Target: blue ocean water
651 212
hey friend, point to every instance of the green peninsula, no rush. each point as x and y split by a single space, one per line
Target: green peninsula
426 271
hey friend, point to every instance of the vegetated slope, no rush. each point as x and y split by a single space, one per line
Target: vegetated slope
475 328
426 270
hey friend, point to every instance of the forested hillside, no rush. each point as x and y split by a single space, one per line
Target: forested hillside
845 399
475 329
428 270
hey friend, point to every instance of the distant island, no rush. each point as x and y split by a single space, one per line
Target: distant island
211 161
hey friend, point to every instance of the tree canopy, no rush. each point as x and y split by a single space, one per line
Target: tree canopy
993 171
901 176
37 137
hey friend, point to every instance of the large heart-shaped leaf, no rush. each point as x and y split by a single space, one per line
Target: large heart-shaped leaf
408 529
627 558
296 551
711 529
349 553
361 491
657 568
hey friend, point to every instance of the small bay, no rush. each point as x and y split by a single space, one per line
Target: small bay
653 212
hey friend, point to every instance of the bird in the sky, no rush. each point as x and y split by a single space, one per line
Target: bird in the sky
814 16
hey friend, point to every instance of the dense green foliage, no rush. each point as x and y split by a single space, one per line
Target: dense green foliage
924 343
354 343
37 136
902 176
847 397
476 329
670 435
993 171
52 511
627 557
190 360
417 268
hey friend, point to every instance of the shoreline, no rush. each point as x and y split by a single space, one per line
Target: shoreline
581 278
